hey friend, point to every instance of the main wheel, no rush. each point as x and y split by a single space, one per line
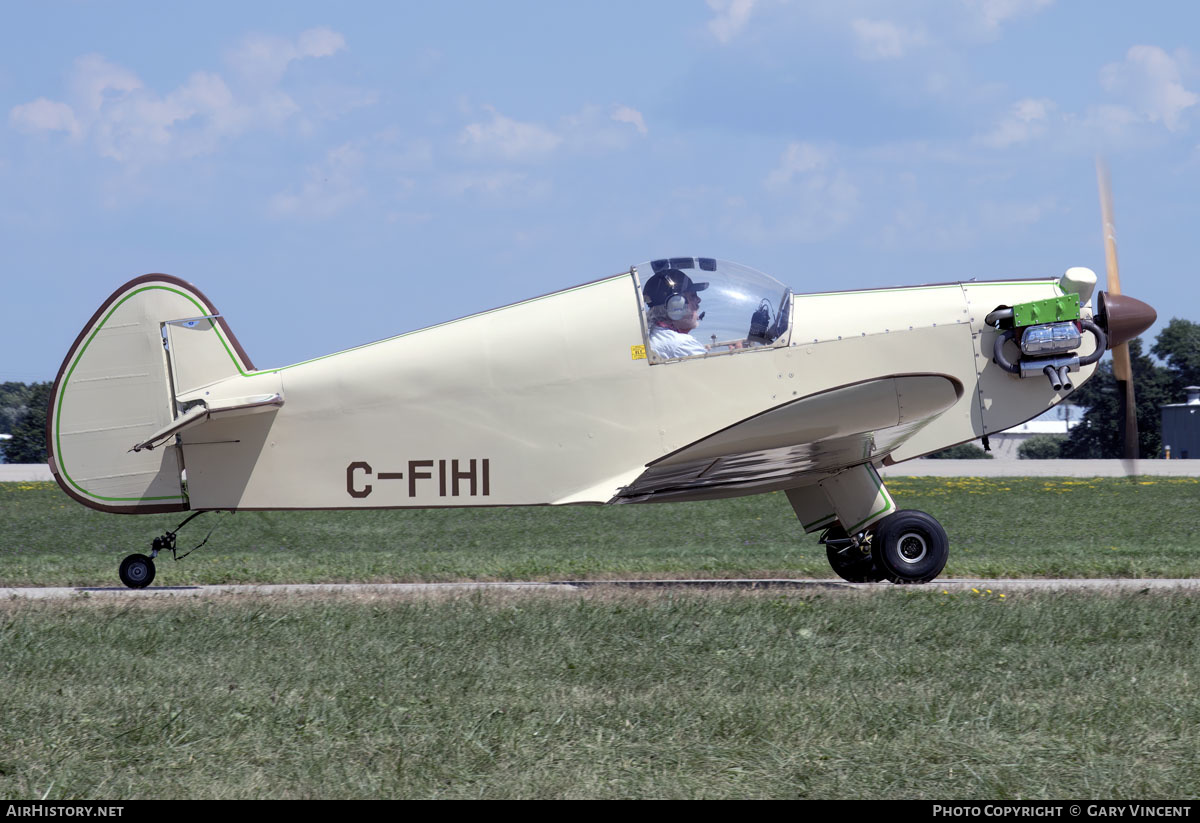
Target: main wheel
852 563
910 547
137 571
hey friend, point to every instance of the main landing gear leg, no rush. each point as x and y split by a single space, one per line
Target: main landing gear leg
851 558
137 570
880 543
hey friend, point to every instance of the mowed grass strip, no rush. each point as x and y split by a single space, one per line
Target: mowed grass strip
1002 527
903 694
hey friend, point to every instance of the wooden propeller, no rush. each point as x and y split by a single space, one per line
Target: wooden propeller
1122 365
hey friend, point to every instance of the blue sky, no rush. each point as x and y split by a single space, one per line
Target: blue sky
330 176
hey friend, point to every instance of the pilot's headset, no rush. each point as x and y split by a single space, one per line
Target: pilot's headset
669 288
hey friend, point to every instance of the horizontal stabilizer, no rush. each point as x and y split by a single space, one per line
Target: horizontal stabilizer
230 407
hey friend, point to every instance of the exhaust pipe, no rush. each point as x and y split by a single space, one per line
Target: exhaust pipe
1064 378
1055 380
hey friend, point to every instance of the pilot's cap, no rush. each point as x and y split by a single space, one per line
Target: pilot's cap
666 284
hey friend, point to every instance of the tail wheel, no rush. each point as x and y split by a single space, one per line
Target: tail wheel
137 571
910 547
850 559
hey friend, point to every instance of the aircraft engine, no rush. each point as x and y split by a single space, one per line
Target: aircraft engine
1049 334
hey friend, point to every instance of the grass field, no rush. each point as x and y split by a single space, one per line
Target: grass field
900 694
903 693
1144 527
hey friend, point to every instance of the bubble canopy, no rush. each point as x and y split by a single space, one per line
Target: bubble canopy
722 306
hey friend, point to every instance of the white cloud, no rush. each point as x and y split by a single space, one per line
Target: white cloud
884 40
386 165
915 226
1150 80
591 129
509 139
319 42
730 17
332 100
404 156
1111 121
408 218
625 114
821 208
330 187
822 198
596 129
496 187
797 159
1025 121
1011 215
262 60
110 107
44 115
96 82
995 13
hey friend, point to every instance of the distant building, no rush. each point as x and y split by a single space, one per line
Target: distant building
1181 427
4 438
1058 420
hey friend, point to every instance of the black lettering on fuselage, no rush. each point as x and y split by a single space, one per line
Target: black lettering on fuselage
350 470
414 475
456 475
467 478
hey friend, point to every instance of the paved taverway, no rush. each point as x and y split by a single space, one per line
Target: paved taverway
956 585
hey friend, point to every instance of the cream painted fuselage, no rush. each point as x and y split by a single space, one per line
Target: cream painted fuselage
547 402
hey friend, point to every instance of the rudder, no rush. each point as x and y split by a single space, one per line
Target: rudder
117 386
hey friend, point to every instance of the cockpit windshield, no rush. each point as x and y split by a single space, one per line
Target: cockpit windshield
703 306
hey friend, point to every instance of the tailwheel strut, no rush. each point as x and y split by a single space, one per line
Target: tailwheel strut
137 570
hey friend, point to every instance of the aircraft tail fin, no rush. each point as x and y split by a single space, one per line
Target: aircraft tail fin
155 338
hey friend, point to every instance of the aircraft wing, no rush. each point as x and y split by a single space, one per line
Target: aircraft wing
811 437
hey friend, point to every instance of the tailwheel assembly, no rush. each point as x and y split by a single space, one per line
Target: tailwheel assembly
137 570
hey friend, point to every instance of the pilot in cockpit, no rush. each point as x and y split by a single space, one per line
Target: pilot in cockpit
672 310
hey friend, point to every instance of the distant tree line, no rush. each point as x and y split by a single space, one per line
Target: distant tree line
23 415
963 451
1154 386
1042 447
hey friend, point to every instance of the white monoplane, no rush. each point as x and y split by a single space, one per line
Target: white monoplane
684 378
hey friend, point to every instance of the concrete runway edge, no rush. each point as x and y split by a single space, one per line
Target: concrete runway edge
955 585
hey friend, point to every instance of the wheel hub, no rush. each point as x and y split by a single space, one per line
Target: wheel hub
912 548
